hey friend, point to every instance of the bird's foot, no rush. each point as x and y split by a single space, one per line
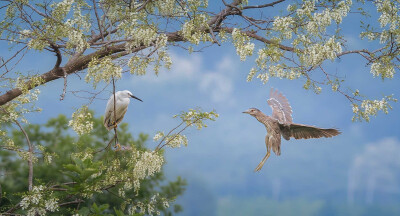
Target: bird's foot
117 147
258 168
261 164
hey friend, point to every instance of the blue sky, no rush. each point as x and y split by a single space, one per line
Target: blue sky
223 156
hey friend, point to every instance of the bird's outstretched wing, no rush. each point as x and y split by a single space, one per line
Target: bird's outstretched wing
300 131
281 109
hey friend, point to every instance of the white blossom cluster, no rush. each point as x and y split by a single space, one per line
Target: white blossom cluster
369 35
279 71
61 9
25 155
24 103
21 83
284 26
148 164
76 39
384 36
102 70
382 70
371 108
162 57
266 56
141 35
264 77
251 74
242 44
317 53
81 121
389 13
159 135
37 44
24 34
149 207
138 65
307 8
76 28
172 140
162 40
320 21
194 5
169 8
28 97
176 140
195 118
194 29
84 155
39 201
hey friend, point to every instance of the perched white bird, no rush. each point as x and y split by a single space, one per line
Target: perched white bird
122 99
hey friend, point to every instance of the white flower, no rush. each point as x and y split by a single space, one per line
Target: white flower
283 25
158 136
81 121
175 140
102 70
51 205
25 202
242 43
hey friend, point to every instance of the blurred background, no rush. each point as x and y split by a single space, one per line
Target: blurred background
356 173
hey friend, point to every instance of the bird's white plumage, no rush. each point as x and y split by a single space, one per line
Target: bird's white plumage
122 99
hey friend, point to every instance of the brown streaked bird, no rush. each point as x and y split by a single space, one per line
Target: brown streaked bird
280 124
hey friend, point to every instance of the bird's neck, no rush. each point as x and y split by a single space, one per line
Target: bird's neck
261 117
267 121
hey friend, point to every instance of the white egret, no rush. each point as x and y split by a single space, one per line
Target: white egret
122 99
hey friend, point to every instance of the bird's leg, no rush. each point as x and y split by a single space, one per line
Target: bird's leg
261 164
117 145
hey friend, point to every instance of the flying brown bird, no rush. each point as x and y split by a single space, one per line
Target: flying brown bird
280 124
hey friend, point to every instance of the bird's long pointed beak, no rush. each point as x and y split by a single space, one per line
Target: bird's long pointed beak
247 111
133 96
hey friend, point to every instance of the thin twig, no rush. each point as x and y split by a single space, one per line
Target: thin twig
108 146
30 163
159 144
15 55
272 4
65 85
213 36
115 115
158 148
143 5
77 201
11 210
98 20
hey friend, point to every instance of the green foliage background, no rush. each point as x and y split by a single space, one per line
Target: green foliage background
57 138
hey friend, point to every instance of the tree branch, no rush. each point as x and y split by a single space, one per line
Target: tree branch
78 62
272 4
72 66
262 39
